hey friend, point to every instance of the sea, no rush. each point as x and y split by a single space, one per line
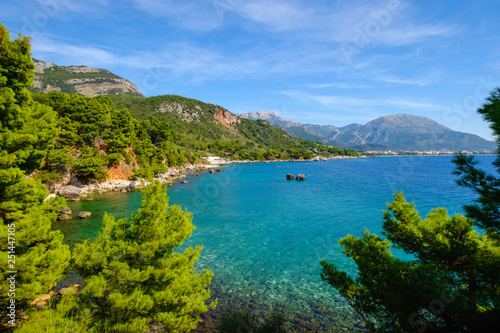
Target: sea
263 235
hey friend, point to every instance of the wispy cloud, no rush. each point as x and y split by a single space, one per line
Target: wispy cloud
277 15
354 103
339 85
421 82
410 34
72 5
194 15
88 55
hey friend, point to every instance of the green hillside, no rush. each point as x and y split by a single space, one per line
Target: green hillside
212 128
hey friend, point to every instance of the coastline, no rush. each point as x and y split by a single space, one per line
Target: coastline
74 191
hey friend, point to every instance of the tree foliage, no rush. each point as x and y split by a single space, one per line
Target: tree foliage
134 275
453 282
26 135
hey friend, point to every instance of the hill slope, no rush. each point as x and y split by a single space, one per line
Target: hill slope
402 132
82 80
202 126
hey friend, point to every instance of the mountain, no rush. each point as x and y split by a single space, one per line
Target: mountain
292 127
86 81
402 132
271 117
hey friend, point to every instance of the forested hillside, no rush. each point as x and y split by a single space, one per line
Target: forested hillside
131 137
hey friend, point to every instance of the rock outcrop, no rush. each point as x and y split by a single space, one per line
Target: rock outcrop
64 214
226 118
74 193
84 214
86 81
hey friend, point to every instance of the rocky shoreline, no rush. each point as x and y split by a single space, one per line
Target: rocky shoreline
74 191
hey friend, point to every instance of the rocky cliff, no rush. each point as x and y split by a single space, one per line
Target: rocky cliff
82 80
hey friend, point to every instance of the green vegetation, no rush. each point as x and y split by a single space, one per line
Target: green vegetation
98 136
453 282
26 134
134 276
209 128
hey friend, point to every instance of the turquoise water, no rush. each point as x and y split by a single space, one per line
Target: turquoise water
263 235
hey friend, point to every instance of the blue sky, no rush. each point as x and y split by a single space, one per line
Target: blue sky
327 62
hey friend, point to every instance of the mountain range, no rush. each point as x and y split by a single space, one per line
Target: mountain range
400 132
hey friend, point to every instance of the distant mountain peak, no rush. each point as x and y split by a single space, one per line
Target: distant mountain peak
270 116
407 120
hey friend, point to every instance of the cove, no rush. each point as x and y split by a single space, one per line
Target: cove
263 235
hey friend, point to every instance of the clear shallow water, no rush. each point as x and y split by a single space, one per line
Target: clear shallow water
263 235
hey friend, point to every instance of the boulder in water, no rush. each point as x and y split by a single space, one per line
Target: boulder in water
64 214
84 214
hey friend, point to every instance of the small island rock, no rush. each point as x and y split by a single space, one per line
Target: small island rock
84 214
289 176
300 177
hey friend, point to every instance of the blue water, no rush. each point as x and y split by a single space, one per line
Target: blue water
263 236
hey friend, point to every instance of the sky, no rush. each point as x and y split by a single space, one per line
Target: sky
328 62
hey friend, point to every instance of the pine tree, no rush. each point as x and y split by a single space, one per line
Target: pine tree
134 276
36 253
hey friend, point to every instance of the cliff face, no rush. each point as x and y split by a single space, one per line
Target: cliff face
226 118
82 80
